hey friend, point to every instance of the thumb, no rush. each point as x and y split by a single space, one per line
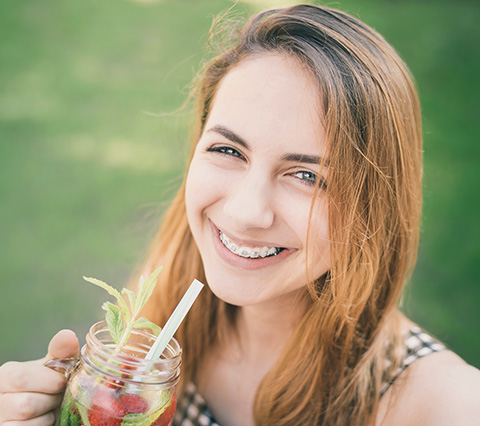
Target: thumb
63 345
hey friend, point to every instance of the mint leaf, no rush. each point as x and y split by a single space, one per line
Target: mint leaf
122 317
75 420
114 292
132 298
145 290
72 413
132 419
114 320
64 416
147 419
83 414
145 323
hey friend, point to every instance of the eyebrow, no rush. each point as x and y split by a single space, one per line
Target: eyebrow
228 134
298 158
302 158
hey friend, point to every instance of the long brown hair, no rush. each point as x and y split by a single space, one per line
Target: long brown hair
348 342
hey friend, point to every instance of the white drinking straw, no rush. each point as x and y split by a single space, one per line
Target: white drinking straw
174 321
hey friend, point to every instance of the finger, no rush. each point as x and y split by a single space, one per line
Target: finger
27 405
30 376
63 345
47 419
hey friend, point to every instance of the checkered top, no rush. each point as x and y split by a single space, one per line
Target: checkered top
419 344
193 411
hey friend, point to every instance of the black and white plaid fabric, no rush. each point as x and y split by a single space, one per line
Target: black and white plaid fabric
193 411
418 344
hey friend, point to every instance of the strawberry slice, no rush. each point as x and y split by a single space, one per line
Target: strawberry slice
114 384
134 403
106 409
166 417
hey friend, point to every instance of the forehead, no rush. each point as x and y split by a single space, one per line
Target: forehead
270 97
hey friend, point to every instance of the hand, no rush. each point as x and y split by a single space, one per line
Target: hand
29 391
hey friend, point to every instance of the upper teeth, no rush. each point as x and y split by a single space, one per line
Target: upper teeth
249 252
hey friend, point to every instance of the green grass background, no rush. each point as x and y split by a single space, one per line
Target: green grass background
91 148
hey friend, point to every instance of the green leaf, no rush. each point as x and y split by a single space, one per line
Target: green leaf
145 290
64 416
114 292
121 318
114 321
83 414
132 419
132 298
75 420
145 323
147 420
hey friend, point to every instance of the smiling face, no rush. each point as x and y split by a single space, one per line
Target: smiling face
251 183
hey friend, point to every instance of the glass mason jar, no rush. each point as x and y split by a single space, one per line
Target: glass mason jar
119 389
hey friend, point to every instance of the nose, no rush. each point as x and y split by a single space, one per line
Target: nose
248 203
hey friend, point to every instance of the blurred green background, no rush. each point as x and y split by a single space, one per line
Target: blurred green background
93 137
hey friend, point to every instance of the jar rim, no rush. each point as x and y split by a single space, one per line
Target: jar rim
104 353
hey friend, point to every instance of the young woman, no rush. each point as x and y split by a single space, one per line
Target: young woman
300 211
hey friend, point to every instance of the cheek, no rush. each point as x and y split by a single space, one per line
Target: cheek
203 188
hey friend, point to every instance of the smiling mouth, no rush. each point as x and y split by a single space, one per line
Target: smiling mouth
249 252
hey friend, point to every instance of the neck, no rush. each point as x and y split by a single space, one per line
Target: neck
263 330
233 371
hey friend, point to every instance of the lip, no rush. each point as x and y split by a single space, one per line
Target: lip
243 262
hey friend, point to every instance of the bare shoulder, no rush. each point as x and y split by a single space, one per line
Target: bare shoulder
439 389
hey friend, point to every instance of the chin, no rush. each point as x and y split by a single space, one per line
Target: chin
228 295
234 292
